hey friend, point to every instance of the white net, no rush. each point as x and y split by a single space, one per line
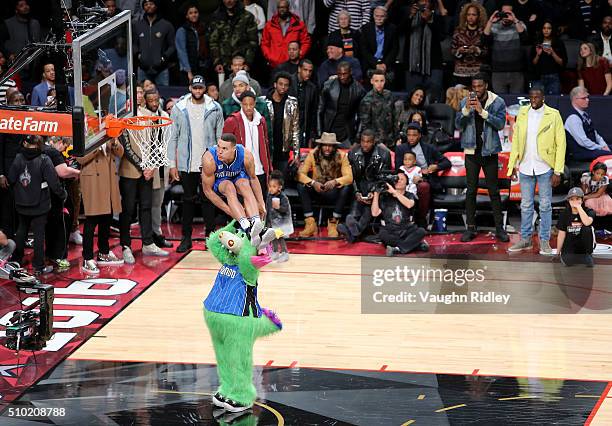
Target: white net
152 139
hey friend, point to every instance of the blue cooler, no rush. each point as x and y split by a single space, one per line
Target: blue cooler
439 224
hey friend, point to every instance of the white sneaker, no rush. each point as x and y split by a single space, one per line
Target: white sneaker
109 259
153 250
274 256
283 257
76 238
128 256
545 248
90 267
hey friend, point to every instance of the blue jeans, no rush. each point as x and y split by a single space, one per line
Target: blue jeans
528 184
550 82
160 79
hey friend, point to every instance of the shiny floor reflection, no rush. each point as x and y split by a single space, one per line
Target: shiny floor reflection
127 393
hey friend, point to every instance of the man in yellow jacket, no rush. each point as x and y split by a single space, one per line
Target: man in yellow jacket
537 156
327 175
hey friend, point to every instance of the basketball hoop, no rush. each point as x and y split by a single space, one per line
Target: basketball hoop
150 132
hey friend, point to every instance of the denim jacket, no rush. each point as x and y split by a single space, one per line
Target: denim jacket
493 123
179 146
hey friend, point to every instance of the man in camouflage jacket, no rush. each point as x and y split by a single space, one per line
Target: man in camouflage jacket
233 31
377 111
288 106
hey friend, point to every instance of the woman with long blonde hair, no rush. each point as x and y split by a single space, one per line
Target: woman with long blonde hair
468 46
593 71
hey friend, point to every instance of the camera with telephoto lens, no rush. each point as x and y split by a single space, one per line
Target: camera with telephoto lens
502 15
29 329
21 333
383 178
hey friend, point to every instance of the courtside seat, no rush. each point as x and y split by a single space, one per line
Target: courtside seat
453 197
173 197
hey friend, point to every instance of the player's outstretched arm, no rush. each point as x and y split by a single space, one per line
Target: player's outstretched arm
208 180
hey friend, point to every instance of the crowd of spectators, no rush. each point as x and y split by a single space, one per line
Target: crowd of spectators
288 74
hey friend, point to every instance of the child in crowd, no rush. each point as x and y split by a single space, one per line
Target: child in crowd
412 171
279 214
595 185
33 178
576 241
213 91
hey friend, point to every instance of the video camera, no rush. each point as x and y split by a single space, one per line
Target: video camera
29 329
383 178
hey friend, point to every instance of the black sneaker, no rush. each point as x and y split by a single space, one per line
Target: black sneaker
161 242
423 246
588 261
502 235
235 407
345 231
185 245
468 235
392 251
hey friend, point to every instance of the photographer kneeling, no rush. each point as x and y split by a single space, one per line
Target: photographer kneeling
397 231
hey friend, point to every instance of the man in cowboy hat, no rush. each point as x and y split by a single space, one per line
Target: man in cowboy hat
326 175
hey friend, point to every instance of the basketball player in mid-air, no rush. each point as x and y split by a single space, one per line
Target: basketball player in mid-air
228 170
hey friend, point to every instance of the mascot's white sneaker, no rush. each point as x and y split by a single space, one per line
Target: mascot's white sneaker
236 407
255 231
233 406
219 400
268 236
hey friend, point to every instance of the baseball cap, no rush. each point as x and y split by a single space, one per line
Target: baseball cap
575 192
198 81
414 126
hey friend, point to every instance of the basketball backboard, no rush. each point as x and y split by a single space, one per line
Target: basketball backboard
103 72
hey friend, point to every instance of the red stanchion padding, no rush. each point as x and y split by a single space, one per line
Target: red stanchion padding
607 160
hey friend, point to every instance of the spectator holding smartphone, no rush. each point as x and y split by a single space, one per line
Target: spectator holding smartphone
482 116
548 57
468 46
505 35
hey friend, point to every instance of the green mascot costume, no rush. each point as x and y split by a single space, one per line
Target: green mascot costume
233 316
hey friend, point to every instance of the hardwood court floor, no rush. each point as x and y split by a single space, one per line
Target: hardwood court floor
318 298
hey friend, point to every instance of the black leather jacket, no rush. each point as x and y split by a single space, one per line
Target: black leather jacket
307 106
364 176
328 105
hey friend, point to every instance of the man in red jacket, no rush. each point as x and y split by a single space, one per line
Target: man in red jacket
250 130
283 28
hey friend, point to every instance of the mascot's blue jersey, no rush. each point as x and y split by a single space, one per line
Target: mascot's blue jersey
231 294
229 171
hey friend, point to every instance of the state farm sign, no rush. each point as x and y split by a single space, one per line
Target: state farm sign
36 123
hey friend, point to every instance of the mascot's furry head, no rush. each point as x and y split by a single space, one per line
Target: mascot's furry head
232 247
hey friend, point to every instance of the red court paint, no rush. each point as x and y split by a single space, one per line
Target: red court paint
99 300
475 371
269 363
384 367
598 404
293 364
